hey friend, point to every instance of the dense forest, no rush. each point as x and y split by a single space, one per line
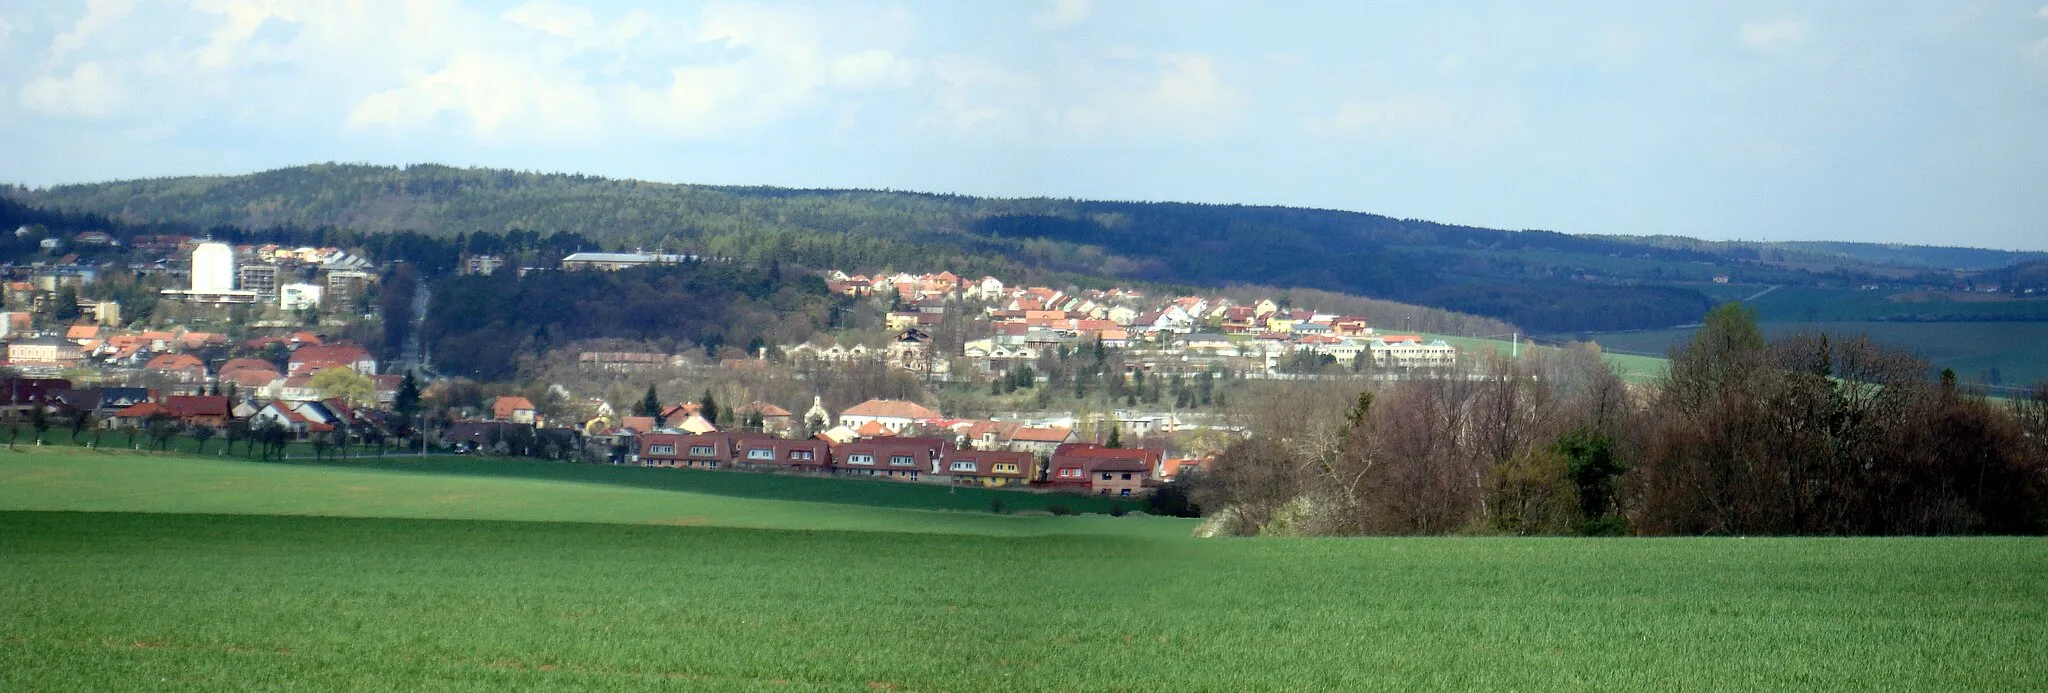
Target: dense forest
1543 281
1794 435
480 326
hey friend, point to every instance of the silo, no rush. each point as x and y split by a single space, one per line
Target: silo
213 267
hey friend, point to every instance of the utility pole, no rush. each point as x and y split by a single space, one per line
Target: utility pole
1515 352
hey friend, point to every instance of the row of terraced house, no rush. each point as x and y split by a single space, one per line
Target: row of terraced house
1084 467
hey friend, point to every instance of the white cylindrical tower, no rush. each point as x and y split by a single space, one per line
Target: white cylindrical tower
213 267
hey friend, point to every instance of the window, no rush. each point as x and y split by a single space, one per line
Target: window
1006 468
963 466
800 455
1070 473
1127 476
860 459
1125 493
901 461
1105 476
700 451
661 449
761 454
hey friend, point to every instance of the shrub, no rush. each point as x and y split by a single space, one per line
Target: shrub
1059 510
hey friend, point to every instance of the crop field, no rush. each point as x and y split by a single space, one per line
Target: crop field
603 596
1635 367
1811 304
2019 350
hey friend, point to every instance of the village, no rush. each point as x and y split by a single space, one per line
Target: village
288 377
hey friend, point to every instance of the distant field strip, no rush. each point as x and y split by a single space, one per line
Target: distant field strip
73 479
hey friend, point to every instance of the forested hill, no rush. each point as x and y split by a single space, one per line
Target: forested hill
1540 280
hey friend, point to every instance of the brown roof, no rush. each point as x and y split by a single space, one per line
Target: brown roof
245 364
766 410
251 378
330 353
1096 458
1053 434
985 460
891 408
175 362
504 407
82 332
195 405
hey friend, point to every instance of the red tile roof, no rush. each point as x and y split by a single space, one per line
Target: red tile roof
890 408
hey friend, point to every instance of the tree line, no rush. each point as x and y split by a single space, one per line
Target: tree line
1798 435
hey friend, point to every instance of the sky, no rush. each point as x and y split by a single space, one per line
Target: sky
1893 122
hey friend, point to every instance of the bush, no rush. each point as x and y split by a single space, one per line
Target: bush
1116 510
995 504
1059 510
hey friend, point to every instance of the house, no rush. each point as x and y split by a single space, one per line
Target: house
774 420
702 451
896 458
54 352
1102 470
810 455
322 355
484 435
989 467
1349 326
1041 441
20 394
188 410
892 415
289 416
82 333
513 409
179 368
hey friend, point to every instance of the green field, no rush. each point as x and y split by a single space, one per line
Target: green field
1632 367
1814 304
2019 350
761 594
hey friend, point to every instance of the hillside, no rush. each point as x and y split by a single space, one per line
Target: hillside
1542 280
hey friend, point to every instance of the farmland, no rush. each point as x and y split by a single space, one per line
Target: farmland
2019 350
426 586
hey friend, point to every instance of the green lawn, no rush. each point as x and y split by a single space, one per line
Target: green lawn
760 594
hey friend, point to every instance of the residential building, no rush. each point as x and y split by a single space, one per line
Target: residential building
1102 470
989 467
893 415
513 409
809 455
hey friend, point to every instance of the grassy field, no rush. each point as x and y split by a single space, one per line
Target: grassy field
1813 304
72 479
2019 350
1629 366
778 595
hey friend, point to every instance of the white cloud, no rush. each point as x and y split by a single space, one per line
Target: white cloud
1063 14
2043 13
1385 117
769 64
1774 35
550 16
6 29
91 91
1185 98
99 14
499 94
871 69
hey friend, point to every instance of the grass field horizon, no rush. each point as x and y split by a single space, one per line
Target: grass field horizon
126 571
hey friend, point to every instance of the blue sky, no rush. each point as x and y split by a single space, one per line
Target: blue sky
1872 121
